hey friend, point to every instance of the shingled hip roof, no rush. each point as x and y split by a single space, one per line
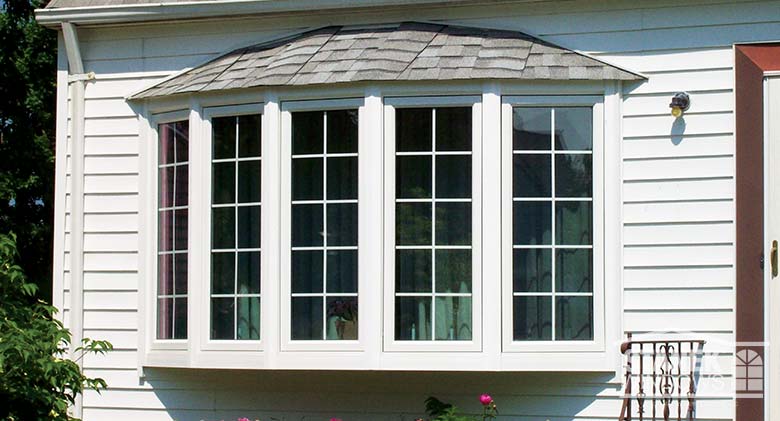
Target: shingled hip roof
400 52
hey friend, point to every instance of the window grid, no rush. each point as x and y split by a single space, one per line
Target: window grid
433 247
324 295
165 320
553 199
236 250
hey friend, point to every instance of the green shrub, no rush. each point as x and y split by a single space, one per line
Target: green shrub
37 381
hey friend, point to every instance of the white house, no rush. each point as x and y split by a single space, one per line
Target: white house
298 209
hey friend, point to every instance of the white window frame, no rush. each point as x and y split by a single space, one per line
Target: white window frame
152 186
285 179
597 344
390 344
204 251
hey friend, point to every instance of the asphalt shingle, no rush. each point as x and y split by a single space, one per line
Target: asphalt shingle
408 51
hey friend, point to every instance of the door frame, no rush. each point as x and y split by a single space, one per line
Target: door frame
769 155
751 61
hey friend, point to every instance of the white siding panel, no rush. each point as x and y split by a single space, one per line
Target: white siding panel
660 234
127 126
111 280
685 321
100 242
658 104
684 255
672 278
114 145
682 299
110 300
110 261
98 321
680 146
111 203
110 165
716 210
111 222
110 184
114 360
98 108
120 339
665 125
679 190
683 168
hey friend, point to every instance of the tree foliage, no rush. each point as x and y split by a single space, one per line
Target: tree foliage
27 103
37 382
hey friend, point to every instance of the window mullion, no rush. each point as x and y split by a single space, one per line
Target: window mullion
324 225
552 224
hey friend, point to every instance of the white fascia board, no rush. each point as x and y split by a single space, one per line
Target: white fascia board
94 15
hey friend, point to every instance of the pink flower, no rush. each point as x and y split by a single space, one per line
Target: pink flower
243 419
335 419
485 399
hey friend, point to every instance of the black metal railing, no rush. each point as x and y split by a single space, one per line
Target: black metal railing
661 378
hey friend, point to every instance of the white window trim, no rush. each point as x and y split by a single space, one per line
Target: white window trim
204 251
151 153
598 342
390 343
284 317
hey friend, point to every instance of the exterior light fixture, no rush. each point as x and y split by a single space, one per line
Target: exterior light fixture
680 104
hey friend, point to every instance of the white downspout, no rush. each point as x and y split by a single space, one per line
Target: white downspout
77 81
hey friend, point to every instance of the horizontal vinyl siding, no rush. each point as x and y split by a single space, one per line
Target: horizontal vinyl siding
678 213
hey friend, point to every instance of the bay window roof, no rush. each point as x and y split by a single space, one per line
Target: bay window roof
407 51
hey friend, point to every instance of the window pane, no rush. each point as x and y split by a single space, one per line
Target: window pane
532 270
180 318
413 318
413 129
307 132
453 129
532 318
453 271
413 223
165 186
182 185
223 228
342 178
532 176
166 153
180 270
249 227
573 222
343 131
453 223
307 314
413 271
249 174
165 231
574 128
342 271
453 176
165 274
223 182
307 179
180 229
165 318
574 270
531 128
307 225
573 175
342 224
248 318
223 131
532 223
249 131
223 266
453 318
249 272
573 318
342 318
413 177
222 318
181 133
306 273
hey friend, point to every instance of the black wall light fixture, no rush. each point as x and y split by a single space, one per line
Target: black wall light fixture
680 104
